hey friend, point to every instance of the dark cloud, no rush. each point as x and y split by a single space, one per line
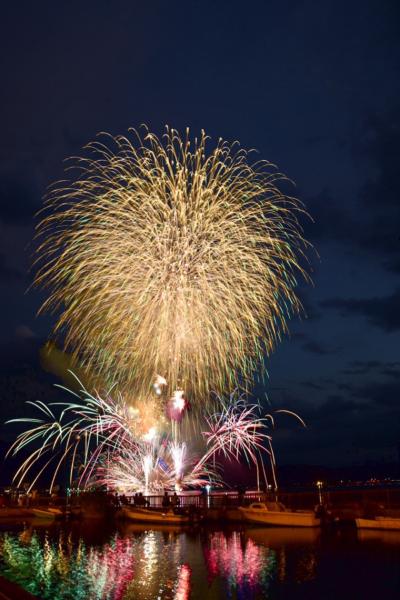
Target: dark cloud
344 387
318 348
20 353
310 310
331 222
363 367
336 405
371 224
386 394
24 332
382 239
391 372
297 337
312 346
19 199
9 274
312 385
383 312
379 144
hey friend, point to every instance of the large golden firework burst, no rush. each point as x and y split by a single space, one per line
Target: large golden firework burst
163 258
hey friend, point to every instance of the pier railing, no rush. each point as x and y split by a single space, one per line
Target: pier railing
363 499
372 501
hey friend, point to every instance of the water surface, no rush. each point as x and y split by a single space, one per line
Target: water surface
93 561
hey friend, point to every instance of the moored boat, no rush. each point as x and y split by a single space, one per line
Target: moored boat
15 513
146 515
258 512
388 523
275 537
47 513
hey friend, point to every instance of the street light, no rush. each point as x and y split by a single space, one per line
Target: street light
208 489
319 485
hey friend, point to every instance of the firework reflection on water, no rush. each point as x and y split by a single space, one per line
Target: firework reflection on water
136 564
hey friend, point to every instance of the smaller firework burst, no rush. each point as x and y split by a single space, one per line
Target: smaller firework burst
105 440
237 430
106 444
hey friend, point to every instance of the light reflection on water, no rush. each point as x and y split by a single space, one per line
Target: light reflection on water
238 561
83 561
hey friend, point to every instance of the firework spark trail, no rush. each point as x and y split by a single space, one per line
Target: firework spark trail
147 465
178 454
162 257
106 423
116 453
237 430
165 468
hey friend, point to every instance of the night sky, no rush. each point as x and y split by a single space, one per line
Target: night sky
314 87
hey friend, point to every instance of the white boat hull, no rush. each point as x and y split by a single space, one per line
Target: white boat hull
387 523
152 516
280 518
50 513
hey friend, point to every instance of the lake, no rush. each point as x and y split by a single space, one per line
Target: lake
93 560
